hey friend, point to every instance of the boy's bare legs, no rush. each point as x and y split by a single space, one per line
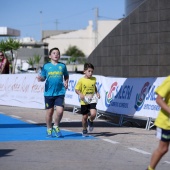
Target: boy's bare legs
84 121
91 118
92 114
58 115
49 116
158 153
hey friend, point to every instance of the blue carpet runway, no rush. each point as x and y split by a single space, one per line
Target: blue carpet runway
12 129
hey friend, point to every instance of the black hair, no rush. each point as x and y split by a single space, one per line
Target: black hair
88 65
53 50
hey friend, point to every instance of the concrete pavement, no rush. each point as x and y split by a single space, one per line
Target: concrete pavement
115 148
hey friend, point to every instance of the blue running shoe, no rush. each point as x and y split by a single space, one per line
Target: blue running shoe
85 133
57 132
90 125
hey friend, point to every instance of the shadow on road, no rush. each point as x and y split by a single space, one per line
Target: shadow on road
5 152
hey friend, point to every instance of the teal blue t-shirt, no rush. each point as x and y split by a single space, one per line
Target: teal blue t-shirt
54 75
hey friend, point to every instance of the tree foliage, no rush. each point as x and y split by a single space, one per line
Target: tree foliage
31 62
11 45
74 53
37 59
34 60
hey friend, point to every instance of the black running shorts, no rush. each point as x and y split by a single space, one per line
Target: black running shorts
85 109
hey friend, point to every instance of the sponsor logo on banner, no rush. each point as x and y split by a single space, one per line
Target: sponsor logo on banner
145 97
116 93
140 98
98 86
71 88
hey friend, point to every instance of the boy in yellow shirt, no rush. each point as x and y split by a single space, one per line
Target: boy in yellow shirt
162 122
87 91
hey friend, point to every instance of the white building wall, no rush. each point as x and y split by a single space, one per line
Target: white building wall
84 39
104 28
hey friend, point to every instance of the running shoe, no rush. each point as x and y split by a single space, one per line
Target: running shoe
49 132
57 132
149 168
84 133
90 125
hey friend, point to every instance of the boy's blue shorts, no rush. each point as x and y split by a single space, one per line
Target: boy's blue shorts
51 101
163 135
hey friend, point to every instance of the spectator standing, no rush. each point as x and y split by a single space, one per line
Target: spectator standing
4 64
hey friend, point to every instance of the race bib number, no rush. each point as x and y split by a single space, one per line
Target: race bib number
91 99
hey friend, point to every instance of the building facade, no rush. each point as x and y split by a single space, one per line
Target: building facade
29 48
139 45
131 5
85 39
8 32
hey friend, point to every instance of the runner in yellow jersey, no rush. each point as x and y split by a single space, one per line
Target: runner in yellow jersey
87 91
162 122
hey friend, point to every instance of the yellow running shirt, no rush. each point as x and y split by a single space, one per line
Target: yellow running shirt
86 86
163 119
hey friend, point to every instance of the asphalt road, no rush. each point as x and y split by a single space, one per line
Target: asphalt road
114 148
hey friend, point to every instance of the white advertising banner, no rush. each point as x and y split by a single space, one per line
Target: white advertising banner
71 98
127 96
21 90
